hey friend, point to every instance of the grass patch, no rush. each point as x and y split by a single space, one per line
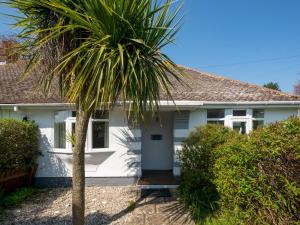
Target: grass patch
17 197
131 206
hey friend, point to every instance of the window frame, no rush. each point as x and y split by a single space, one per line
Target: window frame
68 118
54 135
246 113
90 133
257 119
215 119
229 118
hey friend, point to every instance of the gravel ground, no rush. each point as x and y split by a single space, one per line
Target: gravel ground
104 205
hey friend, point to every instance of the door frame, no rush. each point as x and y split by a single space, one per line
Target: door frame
171 141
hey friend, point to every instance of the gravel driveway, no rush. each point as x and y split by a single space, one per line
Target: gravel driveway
104 205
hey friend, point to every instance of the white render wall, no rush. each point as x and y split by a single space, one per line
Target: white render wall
123 158
273 115
117 161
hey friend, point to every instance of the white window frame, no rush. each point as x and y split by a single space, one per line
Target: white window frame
216 119
90 133
66 116
257 119
229 119
246 119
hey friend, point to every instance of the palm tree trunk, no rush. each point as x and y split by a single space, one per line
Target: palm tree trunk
78 178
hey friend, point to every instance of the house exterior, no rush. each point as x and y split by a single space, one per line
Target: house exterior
117 152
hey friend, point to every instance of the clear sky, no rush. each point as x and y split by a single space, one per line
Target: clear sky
256 41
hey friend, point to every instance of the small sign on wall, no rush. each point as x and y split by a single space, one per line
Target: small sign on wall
156 137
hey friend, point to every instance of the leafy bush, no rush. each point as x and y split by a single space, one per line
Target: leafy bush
197 158
256 177
260 176
18 143
17 197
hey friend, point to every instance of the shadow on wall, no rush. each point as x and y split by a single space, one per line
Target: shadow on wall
133 153
59 164
49 163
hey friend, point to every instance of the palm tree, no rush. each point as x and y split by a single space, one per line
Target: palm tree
102 52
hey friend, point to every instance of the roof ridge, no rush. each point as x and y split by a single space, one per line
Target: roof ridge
239 82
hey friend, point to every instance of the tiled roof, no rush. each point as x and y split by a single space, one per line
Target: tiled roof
14 90
212 88
199 87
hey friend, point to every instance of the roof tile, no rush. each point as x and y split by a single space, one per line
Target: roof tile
198 86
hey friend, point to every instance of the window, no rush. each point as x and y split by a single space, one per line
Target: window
100 115
257 118
100 129
74 113
238 112
258 113
215 116
72 138
99 134
257 123
215 113
60 135
181 120
218 122
239 127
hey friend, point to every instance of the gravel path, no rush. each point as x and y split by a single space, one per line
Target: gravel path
104 205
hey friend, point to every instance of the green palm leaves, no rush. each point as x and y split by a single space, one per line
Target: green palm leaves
102 51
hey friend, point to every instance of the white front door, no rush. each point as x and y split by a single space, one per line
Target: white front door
157 142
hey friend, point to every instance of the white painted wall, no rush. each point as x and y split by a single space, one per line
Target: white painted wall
273 115
197 118
115 161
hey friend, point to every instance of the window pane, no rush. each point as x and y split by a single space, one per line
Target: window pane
60 135
217 122
239 112
100 134
257 123
100 114
215 113
258 113
240 127
73 134
73 113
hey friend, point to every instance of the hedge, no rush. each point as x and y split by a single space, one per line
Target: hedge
253 178
18 144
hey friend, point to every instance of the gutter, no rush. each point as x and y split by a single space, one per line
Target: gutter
39 104
169 104
254 103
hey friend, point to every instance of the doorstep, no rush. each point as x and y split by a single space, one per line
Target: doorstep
158 179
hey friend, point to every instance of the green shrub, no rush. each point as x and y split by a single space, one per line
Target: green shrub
259 177
256 177
18 143
17 197
197 157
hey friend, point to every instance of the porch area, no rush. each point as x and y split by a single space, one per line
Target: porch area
158 177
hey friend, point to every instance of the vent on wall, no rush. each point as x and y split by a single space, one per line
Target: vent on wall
181 120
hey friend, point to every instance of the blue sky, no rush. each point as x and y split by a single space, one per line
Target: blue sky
256 41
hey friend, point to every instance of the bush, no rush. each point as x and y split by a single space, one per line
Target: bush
256 177
17 197
197 189
259 177
18 143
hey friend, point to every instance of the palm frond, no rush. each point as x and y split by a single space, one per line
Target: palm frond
103 51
